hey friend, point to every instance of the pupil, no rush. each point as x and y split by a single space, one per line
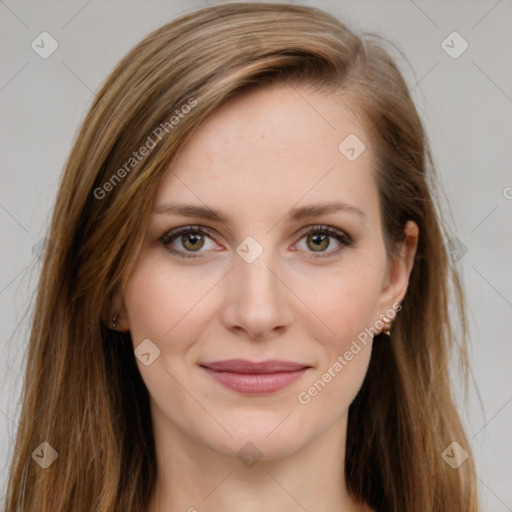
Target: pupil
192 240
318 240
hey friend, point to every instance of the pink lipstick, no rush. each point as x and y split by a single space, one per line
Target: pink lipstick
255 378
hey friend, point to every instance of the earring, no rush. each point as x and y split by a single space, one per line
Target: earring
387 326
114 321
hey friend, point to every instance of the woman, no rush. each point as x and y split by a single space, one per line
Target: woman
245 301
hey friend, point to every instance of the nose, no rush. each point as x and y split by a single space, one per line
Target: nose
257 300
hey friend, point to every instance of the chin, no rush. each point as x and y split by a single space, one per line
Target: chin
264 439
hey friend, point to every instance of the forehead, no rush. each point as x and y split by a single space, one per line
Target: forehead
274 146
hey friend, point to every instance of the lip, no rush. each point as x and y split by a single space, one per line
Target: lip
255 378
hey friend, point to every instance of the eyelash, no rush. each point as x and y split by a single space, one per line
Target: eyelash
340 236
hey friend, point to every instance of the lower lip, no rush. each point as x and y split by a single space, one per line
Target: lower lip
255 384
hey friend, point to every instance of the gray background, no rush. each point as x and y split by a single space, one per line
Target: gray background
465 103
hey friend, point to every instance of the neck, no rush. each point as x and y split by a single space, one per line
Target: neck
194 478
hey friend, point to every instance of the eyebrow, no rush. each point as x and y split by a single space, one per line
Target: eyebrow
293 215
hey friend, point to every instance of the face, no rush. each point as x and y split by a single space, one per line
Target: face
272 281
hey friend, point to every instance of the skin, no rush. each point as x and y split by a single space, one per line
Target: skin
256 157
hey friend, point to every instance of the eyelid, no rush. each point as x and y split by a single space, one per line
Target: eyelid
340 235
172 233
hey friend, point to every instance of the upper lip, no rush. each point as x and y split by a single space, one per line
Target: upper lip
245 366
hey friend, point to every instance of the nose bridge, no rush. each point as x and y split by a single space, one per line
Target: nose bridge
256 300
256 280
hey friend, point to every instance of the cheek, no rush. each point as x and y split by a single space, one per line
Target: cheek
348 308
161 302
329 394
344 300
165 307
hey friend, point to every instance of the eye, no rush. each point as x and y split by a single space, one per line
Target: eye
191 239
318 239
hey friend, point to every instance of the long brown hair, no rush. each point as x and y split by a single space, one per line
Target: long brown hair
83 394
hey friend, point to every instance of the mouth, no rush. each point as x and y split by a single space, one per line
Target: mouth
255 378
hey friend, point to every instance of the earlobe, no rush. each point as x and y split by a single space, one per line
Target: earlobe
119 327
116 315
119 323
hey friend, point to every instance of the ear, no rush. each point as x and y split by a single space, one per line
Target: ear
399 269
116 308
